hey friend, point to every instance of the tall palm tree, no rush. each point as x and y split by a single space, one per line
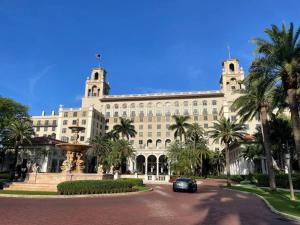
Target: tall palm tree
125 128
228 133
256 100
180 126
195 139
20 132
101 146
282 53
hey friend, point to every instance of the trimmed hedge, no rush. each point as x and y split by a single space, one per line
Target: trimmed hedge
96 186
134 181
282 180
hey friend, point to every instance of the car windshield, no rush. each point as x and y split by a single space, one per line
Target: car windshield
183 180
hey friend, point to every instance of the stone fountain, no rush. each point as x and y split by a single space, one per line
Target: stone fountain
74 152
72 168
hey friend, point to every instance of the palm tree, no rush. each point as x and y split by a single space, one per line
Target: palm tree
125 128
101 146
257 98
282 53
20 132
228 133
180 126
195 139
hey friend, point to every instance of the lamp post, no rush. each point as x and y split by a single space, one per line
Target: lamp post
288 157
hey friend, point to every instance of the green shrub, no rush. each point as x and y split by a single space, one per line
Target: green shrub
5 175
245 182
96 186
134 181
281 180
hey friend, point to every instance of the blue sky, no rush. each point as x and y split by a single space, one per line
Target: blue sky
47 48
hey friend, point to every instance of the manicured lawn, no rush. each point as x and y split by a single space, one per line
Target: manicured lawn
280 200
27 192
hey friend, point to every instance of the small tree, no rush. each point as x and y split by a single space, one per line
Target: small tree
125 128
228 133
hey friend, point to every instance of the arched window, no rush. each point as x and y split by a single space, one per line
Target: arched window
149 143
176 104
96 76
141 105
94 90
204 102
158 105
231 67
132 105
195 103
167 143
116 106
149 105
107 106
124 106
158 143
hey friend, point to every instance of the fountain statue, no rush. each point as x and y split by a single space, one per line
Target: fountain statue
74 152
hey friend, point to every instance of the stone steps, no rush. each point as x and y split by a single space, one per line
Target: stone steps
20 186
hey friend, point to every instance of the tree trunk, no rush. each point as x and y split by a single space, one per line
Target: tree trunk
267 146
292 99
227 163
13 171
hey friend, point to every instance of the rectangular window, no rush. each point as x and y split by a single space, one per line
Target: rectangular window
141 118
158 119
215 111
74 122
204 111
149 119
74 114
46 122
158 126
140 134
141 127
83 122
107 114
185 103
38 123
215 117
64 130
45 128
214 102
167 134
196 118
53 128
149 126
205 125
65 122
149 134
140 142
167 126
54 122
84 113
186 112
81 138
65 114
38 129
158 134
116 114
115 120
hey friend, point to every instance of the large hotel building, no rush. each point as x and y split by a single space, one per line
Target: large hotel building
152 116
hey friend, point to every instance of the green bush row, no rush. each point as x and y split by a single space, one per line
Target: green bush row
96 186
134 181
281 180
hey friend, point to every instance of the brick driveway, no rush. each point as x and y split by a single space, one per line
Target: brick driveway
210 205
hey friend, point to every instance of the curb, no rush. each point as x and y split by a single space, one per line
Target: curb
287 216
73 196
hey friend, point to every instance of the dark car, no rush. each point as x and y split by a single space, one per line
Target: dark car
185 184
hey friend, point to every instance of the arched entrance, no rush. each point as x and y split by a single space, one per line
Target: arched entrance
152 165
163 165
140 164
